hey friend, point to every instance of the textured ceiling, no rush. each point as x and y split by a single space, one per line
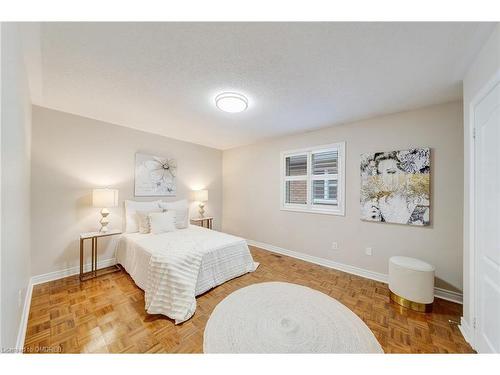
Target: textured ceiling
163 77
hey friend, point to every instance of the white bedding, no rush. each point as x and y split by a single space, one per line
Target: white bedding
172 268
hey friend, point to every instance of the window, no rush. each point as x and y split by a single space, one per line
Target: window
312 180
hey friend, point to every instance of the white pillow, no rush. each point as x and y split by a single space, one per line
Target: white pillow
162 222
181 209
131 208
143 220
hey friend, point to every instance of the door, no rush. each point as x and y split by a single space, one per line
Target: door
487 222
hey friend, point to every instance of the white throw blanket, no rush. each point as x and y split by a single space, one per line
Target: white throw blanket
174 267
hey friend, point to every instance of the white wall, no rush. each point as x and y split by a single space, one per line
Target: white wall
71 155
15 192
481 71
252 194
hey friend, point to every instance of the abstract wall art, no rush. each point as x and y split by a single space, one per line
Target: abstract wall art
395 186
154 176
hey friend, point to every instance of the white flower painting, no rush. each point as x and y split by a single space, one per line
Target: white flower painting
154 176
395 186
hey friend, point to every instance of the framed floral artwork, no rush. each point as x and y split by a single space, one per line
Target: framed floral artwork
395 186
154 176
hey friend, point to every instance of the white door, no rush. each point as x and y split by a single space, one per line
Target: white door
487 222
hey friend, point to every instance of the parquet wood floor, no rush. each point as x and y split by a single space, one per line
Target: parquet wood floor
106 315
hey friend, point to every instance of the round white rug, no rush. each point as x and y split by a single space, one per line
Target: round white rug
280 317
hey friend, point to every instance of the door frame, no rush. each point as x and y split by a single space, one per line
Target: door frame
470 330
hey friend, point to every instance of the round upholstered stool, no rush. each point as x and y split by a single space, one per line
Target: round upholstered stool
411 283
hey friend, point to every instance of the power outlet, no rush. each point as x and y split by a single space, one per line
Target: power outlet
368 251
335 246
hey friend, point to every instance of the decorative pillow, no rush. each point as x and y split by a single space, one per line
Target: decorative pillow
181 209
131 208
162 222
143 220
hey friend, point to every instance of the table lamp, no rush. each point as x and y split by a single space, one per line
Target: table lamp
201 196
104 198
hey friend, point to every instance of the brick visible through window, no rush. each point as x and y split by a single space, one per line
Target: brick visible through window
296 192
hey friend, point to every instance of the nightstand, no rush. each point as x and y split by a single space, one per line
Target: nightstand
94 272
205 222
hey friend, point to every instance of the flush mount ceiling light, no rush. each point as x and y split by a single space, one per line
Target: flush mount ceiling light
231 102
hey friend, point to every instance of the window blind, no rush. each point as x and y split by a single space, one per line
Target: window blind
313 179
325 162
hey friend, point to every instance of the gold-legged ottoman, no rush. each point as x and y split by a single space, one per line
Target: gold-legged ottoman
411 283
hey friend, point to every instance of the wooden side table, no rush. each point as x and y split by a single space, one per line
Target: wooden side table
94 272
205 222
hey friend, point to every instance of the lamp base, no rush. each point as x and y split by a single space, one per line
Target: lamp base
201 210
104 220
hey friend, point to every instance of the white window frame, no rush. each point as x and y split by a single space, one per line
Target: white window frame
309 207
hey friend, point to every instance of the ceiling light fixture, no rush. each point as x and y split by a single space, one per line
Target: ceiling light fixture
231 102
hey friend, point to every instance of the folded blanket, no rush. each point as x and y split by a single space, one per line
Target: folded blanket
175 264
172 277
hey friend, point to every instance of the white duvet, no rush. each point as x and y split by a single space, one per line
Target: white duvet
172 268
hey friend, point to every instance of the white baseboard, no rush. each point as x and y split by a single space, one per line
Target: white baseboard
466 331
321 261
46 277
438 292
448 295
51 276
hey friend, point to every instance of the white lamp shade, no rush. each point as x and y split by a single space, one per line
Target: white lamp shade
104 198
200 195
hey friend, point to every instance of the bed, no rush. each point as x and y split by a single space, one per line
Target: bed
175 267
